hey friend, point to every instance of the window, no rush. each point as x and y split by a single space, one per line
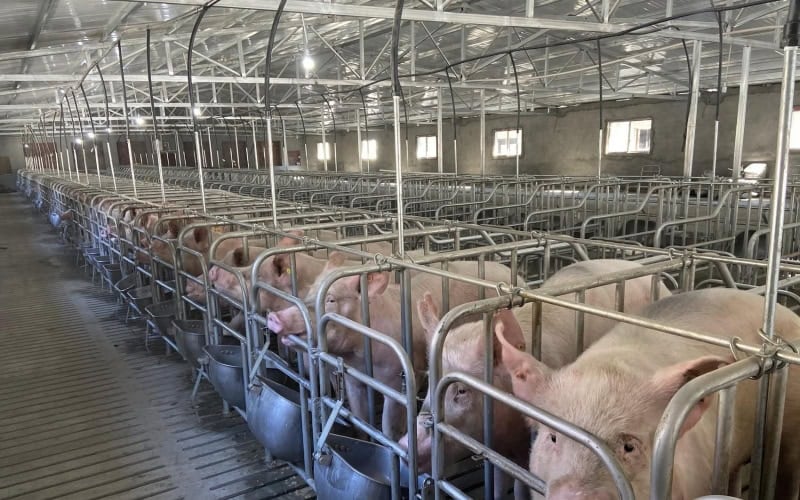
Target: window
507 143
794 132
756 170
629 137
369 149
426 147
323 151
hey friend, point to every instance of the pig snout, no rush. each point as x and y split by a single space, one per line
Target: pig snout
212 273
423 448
573 490
275 323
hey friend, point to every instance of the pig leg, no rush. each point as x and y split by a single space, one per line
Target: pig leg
356 397
393 421
237 322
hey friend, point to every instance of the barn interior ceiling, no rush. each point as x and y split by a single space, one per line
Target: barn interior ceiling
334 57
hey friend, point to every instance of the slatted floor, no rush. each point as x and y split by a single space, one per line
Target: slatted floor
86 412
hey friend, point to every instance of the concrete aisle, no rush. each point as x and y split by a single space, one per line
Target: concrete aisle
85 411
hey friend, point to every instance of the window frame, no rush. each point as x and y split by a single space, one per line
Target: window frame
366 157
435 147
795 123
521 150
328 151
635 154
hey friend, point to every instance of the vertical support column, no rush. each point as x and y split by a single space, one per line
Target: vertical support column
210 149
285 149
362 63
483 131
529 8
413 50
271 163
398 172
324 143
741 112
178 148
691 124
198 155
255 145
236 145
358 139
772 387
439 135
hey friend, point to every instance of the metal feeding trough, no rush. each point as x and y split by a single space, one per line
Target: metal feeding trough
352 468
274 416
190 338
125 284
226 373
111 272
162 314
141 297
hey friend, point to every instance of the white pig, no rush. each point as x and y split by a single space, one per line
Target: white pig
464 352
619 388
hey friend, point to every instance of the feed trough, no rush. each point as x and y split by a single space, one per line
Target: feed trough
162 314
111 272
274 416
352 468
141 297
226 373
190 338
125 284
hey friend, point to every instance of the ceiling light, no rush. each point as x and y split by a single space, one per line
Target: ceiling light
78 141
109 130
90 134
27 145
140 121
308 62
197 111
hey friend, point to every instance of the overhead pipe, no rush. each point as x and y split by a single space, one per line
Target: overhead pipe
83 138
156 138
600 107
94 135
190 88
127 117
716 106
305 143
108 127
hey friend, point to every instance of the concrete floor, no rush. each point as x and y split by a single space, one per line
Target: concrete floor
85 411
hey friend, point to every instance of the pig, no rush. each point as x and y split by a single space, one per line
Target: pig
619 388
464 352
344 297
235 258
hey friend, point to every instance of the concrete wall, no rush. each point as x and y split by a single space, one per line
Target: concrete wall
12 147
564 141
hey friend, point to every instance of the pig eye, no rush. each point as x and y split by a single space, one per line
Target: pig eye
330 300
462 390
553 438
629 447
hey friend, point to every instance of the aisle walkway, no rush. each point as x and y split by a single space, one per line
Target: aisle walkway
86 412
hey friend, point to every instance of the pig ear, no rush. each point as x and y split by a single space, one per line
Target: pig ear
200 234
239 259
428 314
173 228
377 283
335 259
667 381
282 267
526 371
288 241
507 324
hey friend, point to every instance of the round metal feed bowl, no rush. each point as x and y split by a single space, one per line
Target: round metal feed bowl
354 469
141 297
226 372
126 283
112 272
162 314
190 338
274 417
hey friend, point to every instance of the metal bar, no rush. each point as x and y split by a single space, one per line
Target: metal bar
741 113
691 124
439 133
769 420
483 129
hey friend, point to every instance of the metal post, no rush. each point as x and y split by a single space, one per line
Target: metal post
439 134
210 149
324 143
236 141
198 153
285 149
691 124
398 173
255 145
741 112
769 420
133 172
483 132
272 174
358 139
179 149
111 165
